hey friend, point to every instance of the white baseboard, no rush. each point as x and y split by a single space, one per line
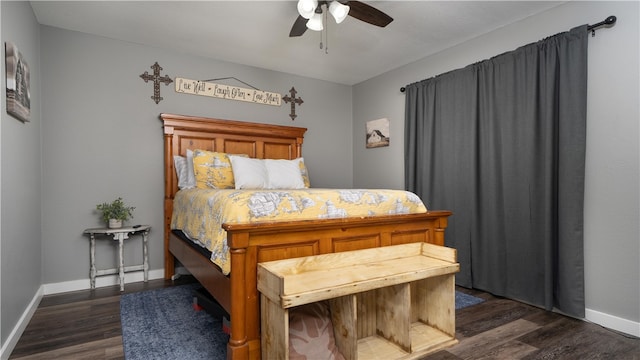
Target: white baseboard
14 336
613 322
101 281
600 318
66 286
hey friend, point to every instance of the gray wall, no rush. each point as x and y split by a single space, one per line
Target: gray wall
20 176
99 137
102 138
612 248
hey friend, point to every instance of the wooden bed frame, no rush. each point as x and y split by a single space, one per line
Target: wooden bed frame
253 243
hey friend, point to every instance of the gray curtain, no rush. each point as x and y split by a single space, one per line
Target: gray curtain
501 143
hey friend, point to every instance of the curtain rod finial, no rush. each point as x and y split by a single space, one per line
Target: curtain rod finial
610 20
402 89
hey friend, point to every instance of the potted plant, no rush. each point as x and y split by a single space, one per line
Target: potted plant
115 213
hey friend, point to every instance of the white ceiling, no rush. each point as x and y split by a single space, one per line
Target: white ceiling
256 33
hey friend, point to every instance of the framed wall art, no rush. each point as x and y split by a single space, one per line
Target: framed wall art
17 76
377 133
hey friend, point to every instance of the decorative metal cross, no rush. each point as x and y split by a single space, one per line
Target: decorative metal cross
157 79
293 100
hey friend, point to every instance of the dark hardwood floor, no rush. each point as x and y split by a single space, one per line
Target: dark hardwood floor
86 325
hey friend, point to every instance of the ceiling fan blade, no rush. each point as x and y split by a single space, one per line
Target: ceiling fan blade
368 14
299 27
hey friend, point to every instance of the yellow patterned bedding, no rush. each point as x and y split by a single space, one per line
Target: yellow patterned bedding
200 213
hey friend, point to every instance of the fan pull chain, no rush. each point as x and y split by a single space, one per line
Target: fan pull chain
326 33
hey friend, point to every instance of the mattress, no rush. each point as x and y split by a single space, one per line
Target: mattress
200 213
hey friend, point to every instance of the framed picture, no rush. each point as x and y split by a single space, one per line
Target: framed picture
18 95
377 133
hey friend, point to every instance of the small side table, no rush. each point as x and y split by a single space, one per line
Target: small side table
119 235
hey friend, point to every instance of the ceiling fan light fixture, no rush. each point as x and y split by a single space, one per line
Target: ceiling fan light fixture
315 23
339 11
307 8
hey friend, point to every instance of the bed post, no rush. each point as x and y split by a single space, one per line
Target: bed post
299 147
441 225
169 260
237 347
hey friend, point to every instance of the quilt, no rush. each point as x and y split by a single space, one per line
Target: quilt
200 213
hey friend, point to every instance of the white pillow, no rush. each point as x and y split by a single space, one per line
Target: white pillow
284 174
180 163
191 177
266 174
184 170
249 173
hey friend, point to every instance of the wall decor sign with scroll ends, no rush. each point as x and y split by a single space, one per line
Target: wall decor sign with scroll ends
377 133
228 92
17 77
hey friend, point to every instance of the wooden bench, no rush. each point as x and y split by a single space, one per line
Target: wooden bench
386 303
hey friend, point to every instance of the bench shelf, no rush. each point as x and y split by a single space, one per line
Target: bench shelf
394 302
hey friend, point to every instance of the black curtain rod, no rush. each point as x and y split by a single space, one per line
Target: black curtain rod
608 22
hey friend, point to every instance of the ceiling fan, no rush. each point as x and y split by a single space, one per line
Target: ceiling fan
311 14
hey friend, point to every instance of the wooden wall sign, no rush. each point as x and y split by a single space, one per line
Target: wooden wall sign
228 92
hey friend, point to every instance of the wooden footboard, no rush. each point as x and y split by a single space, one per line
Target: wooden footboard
251 244
254 243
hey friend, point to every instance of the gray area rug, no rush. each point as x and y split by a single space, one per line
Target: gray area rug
464 300
162 324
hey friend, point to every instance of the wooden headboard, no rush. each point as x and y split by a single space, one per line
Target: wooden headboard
262 141
182 133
